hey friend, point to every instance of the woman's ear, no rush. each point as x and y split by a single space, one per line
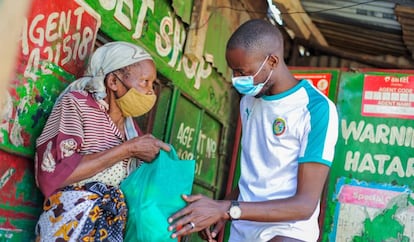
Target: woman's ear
111 82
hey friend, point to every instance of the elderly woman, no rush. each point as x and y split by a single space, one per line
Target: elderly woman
90 144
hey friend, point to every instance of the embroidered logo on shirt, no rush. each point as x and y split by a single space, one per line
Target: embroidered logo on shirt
279 126
68 147
48 162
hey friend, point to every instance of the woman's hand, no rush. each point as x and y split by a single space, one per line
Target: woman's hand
199 214
146 147
210 235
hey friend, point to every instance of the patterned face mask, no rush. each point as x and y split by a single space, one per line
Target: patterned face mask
134 103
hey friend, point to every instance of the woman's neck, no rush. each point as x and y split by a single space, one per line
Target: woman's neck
115 113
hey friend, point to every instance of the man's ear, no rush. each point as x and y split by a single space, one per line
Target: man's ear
274 60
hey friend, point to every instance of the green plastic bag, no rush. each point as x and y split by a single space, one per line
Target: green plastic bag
153 193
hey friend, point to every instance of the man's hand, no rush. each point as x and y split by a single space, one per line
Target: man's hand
200 213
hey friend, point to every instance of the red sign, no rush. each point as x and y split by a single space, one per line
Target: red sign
56 41
319 80
58 31
388 96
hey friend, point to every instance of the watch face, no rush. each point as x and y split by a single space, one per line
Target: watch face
235 212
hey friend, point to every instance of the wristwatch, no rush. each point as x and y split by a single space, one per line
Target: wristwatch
234 210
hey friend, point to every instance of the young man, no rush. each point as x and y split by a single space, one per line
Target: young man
289 132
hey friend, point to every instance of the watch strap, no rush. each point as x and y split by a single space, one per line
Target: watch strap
233 203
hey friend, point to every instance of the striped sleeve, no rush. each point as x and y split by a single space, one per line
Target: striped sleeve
57 149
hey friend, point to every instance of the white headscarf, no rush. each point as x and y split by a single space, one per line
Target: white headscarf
106 59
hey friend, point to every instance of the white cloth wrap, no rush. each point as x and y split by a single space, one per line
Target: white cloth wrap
106 59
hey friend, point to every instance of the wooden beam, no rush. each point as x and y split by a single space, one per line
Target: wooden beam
405 17
294 21
194 46
299 21
362 58
256 9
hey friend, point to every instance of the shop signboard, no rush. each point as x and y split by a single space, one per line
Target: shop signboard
156 27
325 80
370 188
56 41
388 96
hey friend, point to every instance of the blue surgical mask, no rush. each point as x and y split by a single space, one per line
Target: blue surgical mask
245 84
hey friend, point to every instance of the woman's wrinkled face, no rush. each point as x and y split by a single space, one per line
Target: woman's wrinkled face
140 76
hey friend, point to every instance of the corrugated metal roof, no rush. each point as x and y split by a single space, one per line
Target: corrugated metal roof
374 28
379 15
405 16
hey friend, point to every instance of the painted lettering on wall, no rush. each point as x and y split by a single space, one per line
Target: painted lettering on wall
6 177
124 13
169 40
60 32
56 40
382 164
206 146
375 134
